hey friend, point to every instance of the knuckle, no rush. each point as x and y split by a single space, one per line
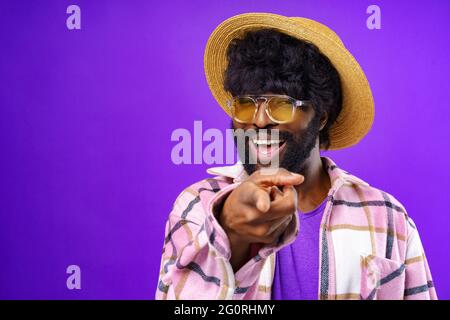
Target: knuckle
249 218
261 231
244 185
232 224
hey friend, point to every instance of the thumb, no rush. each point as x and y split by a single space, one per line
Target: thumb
261 199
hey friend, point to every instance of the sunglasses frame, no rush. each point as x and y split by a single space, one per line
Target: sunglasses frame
255 98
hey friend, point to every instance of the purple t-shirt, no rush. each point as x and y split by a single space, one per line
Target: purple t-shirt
297 265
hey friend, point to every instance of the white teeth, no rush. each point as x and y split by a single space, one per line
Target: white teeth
265 142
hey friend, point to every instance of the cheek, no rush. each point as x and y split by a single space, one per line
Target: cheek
237 125
300 122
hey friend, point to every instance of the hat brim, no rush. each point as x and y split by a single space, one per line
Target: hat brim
357 114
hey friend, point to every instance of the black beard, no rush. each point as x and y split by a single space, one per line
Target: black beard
298 148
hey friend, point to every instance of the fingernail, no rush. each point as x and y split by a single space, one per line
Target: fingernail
296 174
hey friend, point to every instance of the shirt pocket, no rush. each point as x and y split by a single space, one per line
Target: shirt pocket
382 278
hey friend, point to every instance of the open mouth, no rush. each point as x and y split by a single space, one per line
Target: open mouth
266 151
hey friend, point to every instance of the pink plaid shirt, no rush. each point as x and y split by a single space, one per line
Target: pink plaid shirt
369 246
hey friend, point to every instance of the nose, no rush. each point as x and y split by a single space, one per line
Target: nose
261 119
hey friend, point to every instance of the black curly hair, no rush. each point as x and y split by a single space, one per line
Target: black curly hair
267 60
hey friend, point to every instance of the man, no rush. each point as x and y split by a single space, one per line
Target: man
237 235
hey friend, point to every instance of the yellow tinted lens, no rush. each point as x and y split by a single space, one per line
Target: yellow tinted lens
281 109
244 109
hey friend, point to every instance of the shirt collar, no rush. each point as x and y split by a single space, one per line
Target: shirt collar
236 171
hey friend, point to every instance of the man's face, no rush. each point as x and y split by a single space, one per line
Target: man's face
297 139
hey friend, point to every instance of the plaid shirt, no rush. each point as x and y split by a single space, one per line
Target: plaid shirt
369 246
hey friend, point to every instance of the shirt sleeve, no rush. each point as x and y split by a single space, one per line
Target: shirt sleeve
189 269
418 281
196 252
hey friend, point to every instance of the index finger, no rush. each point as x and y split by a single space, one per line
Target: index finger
280 178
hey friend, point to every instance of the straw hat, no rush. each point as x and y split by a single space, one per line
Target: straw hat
357 114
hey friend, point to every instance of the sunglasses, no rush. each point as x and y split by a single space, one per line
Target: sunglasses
279 108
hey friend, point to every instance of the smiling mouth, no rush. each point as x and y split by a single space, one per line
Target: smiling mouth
265 150
267 143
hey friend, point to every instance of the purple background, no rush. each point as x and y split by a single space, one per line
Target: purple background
86 119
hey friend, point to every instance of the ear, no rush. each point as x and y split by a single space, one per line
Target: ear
323 120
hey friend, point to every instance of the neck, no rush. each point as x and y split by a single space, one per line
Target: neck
316 185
